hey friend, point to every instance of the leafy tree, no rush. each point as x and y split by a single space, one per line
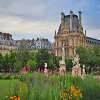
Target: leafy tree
18 65
22 58
96 50
1 61
6 62
89 57
32 63
12 60
42 57
53 62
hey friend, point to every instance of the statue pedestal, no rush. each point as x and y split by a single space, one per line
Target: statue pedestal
62 69
46 71
76 71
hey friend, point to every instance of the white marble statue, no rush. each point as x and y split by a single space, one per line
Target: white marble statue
45 65
76 70
76 60
45 69
83 71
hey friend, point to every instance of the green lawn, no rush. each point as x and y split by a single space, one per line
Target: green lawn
6 87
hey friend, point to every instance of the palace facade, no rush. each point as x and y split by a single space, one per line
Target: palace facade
70 35
6 43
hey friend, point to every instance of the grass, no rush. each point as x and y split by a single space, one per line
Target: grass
40 87
6 87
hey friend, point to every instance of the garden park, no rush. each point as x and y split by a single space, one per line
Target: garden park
23 76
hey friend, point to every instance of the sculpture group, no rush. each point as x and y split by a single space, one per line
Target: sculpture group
77 70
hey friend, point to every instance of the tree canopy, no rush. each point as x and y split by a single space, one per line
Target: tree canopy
15 61
89 56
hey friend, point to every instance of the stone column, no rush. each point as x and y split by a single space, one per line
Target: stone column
62 69
63 54
56 48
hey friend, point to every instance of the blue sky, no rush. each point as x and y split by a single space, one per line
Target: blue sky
40 18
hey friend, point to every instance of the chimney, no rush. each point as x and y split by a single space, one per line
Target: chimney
85 32
55 34
80 17
71 19
62 17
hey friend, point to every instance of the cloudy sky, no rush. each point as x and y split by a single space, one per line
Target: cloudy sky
40 18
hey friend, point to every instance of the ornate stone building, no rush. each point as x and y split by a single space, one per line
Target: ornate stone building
70 34
42 43
90 42
6 43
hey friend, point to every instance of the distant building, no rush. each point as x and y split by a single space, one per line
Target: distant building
92 42
6 43
23 44
42 44
70 35
34 44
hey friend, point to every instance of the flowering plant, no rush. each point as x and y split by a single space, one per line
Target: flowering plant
72 93
12 98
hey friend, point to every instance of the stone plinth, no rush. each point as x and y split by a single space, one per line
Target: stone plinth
46 71
25 70
62 69
76 71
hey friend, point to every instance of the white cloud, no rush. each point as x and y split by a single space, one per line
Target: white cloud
41 17
17 25
27 17
25 9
